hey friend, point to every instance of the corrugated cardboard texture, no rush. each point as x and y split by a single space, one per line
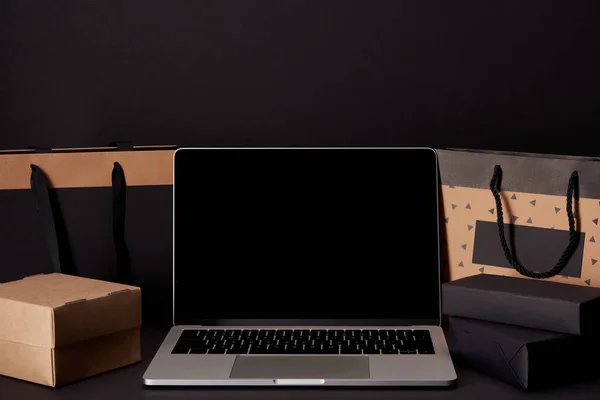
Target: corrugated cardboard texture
463 207
87 168
529 303
51 310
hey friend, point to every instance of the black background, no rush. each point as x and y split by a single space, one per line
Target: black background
494 74
514 75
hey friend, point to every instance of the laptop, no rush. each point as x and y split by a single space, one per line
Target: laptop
305 266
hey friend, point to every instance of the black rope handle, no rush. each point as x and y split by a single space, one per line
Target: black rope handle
119 207
48 217
573 234
39 187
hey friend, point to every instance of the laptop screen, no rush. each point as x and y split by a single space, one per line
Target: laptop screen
311 234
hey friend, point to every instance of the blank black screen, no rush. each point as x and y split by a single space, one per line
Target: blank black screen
306 234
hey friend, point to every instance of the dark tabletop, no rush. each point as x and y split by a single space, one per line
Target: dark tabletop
126 383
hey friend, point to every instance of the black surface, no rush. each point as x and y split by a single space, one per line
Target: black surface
524 357
126 383
538 304
537 249
516 75
294 231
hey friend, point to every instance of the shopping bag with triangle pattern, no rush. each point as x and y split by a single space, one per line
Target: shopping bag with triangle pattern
520 214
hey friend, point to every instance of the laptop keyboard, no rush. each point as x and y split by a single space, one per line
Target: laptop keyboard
304 341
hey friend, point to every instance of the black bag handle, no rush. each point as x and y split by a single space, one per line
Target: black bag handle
49 216
119 207
572 193
39 187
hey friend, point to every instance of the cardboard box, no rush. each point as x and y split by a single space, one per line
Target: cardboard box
57 328
551 306
523 357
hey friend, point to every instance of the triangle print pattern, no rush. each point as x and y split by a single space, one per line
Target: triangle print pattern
467 207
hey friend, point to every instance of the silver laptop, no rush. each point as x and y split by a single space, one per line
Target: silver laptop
305 266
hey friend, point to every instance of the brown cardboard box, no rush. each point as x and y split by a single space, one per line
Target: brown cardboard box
58 328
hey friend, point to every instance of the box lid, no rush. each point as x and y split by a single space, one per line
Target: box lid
51 310
537 304
528 287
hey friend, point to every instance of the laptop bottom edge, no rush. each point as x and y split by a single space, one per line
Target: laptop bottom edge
171 367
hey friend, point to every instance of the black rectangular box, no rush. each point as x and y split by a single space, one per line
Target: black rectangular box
551 306
523 357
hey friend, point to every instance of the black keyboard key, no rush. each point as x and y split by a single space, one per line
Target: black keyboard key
188 334
421 333
294 349
259 350
276 349
199 351
311 350
191 344
349 350
408 351
330 350
389 351
302 334
266 334
237 350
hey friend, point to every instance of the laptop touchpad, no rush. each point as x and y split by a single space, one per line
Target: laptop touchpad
300 367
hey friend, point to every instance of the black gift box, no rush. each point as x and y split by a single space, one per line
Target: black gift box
523 357
551 306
